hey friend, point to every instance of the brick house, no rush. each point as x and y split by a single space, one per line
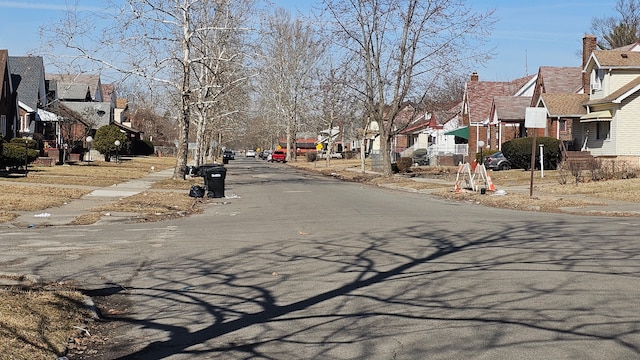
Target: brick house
8 100
477 103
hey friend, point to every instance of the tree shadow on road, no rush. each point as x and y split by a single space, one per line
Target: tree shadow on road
551 290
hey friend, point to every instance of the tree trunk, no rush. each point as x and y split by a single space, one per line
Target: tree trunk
183 122
385 148
200 139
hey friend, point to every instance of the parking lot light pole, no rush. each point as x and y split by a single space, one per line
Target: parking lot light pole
26 156
89 140
117 144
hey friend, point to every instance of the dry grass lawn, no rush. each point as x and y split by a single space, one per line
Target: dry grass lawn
43 321
38 323
46 187
551 193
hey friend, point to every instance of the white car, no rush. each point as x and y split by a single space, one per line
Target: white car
250 153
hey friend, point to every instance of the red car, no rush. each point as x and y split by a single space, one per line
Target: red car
278 156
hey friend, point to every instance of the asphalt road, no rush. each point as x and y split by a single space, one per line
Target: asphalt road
292 265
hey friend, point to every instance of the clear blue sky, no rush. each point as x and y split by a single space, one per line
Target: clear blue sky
528 34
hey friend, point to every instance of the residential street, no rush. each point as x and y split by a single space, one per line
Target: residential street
293 265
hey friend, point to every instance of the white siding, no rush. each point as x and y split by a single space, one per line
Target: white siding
627 127
618 80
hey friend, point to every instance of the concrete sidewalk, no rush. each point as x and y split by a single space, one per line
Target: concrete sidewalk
67 213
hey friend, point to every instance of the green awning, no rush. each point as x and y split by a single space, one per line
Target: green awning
462 132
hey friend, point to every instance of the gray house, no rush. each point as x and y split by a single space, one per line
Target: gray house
27 77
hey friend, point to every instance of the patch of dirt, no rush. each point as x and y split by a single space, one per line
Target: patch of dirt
106 337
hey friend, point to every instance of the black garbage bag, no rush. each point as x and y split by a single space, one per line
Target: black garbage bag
196 191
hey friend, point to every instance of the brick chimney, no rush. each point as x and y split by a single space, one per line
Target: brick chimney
589 44
474 76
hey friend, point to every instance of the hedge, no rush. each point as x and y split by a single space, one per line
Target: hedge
518 151
13 153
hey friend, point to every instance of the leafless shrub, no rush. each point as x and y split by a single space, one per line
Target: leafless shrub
576 168
594 166
562 174
598 170
614 169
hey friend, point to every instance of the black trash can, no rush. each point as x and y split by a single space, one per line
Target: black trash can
200 170
214 177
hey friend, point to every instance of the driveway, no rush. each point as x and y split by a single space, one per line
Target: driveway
292 265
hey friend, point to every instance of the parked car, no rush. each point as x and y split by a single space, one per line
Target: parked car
278 156
250 153
497 161
264 154
228 155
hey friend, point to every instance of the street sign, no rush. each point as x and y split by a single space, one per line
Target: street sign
535 118
319 147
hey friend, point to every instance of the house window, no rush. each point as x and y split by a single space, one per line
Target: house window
562 125
3 125
602 130
597 77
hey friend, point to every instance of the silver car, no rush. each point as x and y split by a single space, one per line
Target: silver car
497 161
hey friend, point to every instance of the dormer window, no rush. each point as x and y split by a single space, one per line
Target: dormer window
597 77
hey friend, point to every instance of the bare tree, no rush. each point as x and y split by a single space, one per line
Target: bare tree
220 73
335 101
621 29
403 46
155 40
290 52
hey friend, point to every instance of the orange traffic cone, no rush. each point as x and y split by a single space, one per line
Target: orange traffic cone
490 184
457 188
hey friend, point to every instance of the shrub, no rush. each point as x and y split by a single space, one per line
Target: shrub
351 154
419 156
518 151
603 169
13 153
404 164
312 156
31 144
142 147
104 140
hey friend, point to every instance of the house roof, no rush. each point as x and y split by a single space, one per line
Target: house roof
511 108
559 80
27 76
75 86
631 47
68 91
67 113
617 96
96 114
565 105
127 129
4 54
480 94
420 123
611 59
